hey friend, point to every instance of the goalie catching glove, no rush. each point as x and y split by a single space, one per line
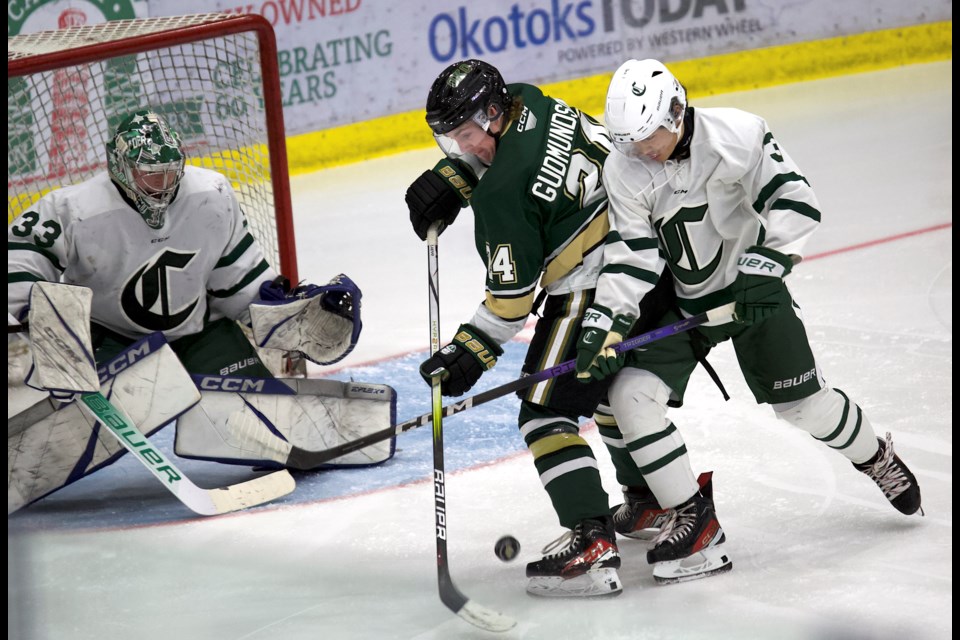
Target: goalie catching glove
321 323
759 290
462 361
596 358
438 195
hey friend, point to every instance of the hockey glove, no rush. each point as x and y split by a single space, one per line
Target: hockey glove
320 323
596 358
759 290
463 361
438 195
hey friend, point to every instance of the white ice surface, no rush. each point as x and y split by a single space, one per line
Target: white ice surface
817 551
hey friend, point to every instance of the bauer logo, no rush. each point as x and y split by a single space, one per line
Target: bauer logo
795 382
463 33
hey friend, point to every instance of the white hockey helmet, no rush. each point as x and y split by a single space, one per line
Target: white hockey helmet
643 96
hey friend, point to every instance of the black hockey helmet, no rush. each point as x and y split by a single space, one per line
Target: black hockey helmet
461 91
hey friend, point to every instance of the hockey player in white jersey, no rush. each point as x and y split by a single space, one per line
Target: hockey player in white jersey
164 247
712 193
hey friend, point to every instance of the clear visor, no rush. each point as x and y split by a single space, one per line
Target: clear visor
662 139
464 139
639 148
155 182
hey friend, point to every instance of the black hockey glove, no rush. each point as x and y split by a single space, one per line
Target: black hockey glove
759 290
438 195
463 360
596 358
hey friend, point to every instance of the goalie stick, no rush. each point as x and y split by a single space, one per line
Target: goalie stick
450 595
56 341
206 502
303 459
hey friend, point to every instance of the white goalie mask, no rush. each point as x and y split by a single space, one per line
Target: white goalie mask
643 96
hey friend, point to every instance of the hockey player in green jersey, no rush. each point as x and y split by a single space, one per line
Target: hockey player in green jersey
530 167
711 193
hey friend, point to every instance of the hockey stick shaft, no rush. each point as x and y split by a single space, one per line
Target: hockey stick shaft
450 595
302 459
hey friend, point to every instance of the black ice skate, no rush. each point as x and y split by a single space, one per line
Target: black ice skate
690 546
640 516
586 567
894 479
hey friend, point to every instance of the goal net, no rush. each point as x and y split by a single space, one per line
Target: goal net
213 76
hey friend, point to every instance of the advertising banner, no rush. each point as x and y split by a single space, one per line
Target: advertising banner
346 61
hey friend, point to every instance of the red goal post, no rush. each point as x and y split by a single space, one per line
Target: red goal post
213 76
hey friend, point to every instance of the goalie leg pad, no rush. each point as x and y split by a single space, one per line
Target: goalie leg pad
146 382
251 421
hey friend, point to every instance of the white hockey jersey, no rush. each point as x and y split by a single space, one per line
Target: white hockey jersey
203 264
737 188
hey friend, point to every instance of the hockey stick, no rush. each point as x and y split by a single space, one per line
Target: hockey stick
64 359
450 595
302 459
206 502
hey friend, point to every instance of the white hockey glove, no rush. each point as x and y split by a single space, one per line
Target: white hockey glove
322 323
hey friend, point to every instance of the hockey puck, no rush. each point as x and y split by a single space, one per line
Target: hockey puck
507 548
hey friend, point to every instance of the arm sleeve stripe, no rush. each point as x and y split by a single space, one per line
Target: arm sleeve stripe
635 244
22 276
247 279
639 244
634 272
778 181
26 246
800 207
234 255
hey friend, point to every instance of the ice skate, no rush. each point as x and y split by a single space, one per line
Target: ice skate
586 567
894 478
690 546
640 516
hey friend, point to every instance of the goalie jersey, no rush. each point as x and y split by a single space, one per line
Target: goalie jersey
202 265
736 189
540 210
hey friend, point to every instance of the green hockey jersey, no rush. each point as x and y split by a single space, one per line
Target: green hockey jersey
540 209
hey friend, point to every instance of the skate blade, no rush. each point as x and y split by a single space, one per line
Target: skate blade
596 583
641 534
710 561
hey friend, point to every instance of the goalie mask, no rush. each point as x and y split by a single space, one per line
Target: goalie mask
643 96
145 160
